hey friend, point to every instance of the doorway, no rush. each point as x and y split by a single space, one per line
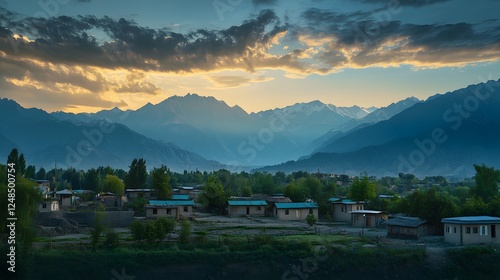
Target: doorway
493 231
248 210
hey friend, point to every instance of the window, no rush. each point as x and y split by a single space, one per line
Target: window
483 230
287 212
447 229
155 211
186 209
258 208
474 230
44 205
310 211
467 230
454 229
169 211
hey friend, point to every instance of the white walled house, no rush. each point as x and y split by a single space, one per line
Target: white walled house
175 209
246 208
471 230
297 211
48 205
342 208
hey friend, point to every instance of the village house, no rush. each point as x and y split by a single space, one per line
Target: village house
275 199
406 227
48 205
169 208
295 210
132 194
342 208
367 218
66 198
471 230
246 208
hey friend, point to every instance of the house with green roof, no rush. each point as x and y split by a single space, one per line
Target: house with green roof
468 230
236 208
175 209
297 211
342 208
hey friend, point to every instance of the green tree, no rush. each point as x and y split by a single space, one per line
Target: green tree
112 238
22 165
475 206
98 229
137 175
213 196
246 191
429 205
137 231
185 234
92 181
30 172
114 184
486 183
297 192
150 232
311 220
362 189
41 174
161 182
164 226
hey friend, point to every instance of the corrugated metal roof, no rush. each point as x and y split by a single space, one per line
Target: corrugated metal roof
472 220
171 202
296 205
405 222
247 203
180 197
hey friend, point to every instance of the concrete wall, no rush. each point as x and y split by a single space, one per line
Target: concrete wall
470 234
294 214
185 211
236 211
66 201
50 205
162 212
340 212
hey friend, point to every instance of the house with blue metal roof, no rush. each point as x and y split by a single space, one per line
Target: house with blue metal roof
297 211
471 230
342 208
237 208
169 208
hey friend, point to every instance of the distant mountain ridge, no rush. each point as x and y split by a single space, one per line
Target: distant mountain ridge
374 117
443 135
228 134
43 139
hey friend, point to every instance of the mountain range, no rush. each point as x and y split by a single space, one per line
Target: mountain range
44 140
443 135
216 131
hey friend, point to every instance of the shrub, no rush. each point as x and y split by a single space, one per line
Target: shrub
185 234
311 220
112 239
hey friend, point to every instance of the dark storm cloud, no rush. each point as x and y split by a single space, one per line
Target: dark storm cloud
68 40
356 39
377 38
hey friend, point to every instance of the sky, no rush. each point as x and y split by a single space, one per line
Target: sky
89 55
